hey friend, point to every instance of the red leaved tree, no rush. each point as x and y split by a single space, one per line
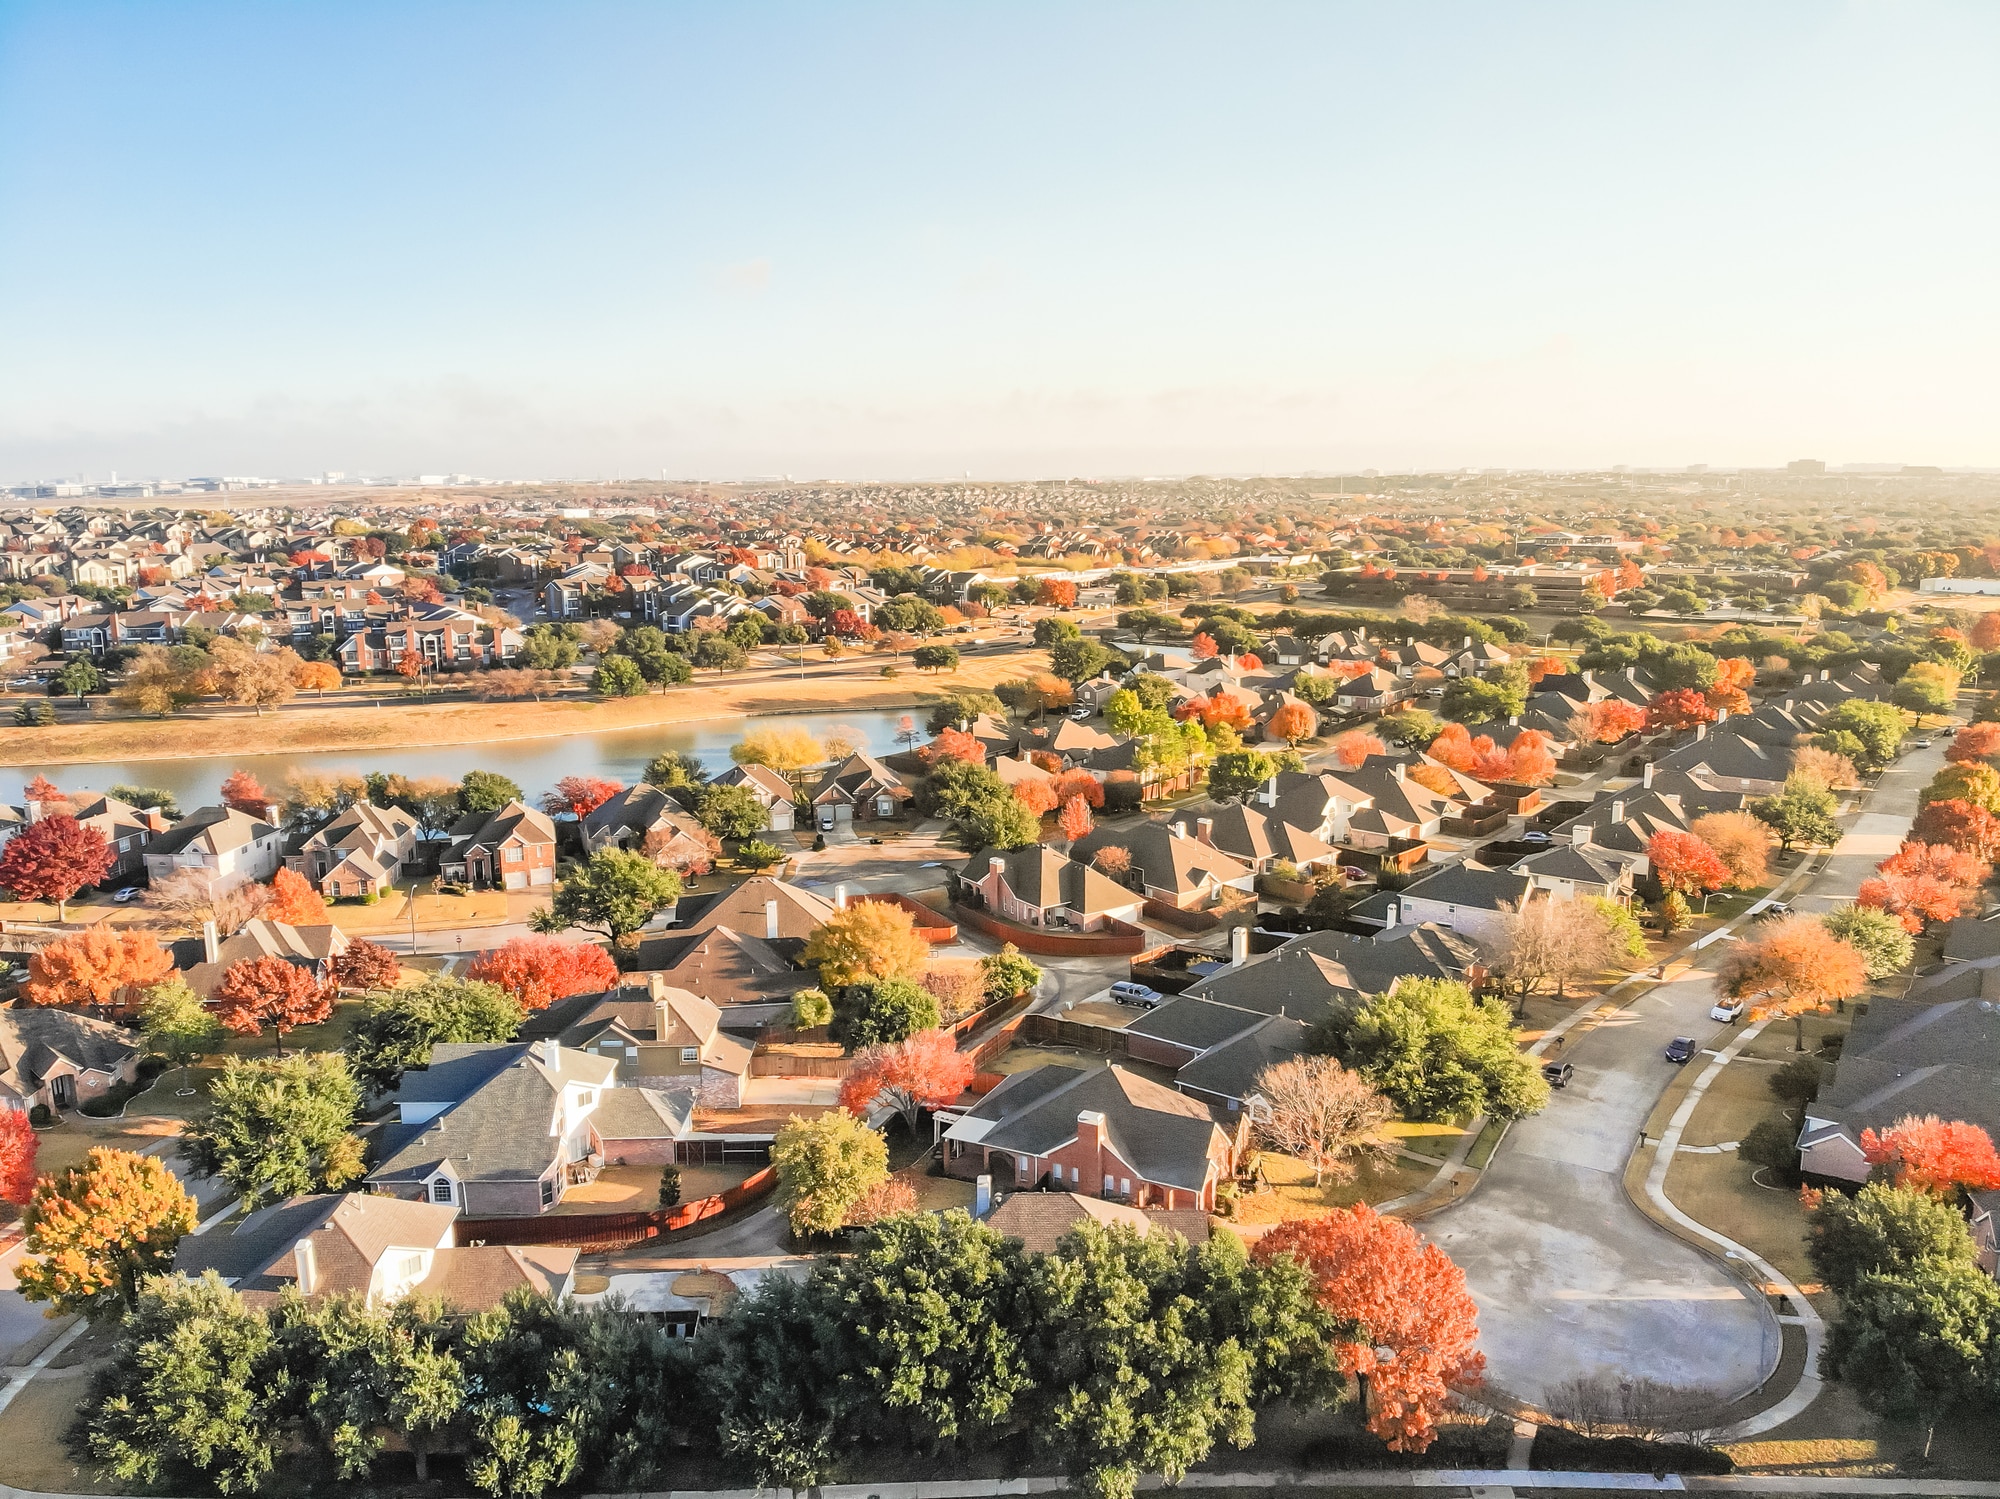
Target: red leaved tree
53 859
1974 742
954 744
538 971
1794 967
1416 1327
100 967
244 793
1530 761
1930 1155
1202 647
1940 861
579 796
1037 796
1683 862
294 901
257 992
1609 721
18 1144
1354 748
1073 783
926 1071
1683 708
1291 723
1960 824
364 965
1914 899
1075 820
46 794
1056 593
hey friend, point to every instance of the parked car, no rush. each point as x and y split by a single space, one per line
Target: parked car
1127 992
1920 744
126 896
1535 835
1680 1049
1775 908
1353 872
1078 715
1729 1011
1558 1073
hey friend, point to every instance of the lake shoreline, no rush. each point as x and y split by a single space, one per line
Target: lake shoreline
402 726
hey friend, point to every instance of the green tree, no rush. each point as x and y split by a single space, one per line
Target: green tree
1006 973
961 706
358 1374
1413 728
679 773
1438 1052
1000 822
617 676
1123 711
274 1129
719 653
176 1023
1882 1230
1052 630
824 1167
486 791
1238 773
935 658
1624 939
930 1351
1928 687
190 1394
1867 732
910 614
616 892
1883 942
811 1009
80 676
1924 1344
1078 660
1683 665
882 1012
1469 700
549 648
732 812
759 853
1801 813
397 1028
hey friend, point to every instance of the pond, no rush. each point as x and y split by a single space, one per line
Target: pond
533 764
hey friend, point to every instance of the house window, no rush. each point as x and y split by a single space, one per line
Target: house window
441 1190
1125 1186
1110 1182
513 855
690 1055
548 1192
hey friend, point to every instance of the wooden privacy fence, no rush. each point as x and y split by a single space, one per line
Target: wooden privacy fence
932 926
1113 939
613 1230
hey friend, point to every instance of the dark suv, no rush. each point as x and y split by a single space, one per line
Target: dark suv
1680 1049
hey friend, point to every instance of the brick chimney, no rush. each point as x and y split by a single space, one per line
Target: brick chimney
1204 829
1090 1148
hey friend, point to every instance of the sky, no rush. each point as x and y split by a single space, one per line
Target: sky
908 241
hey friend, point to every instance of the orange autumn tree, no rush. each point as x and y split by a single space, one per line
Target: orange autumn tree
539 970
925 1071
1074 783
1542 666
1075 820
243 792
1795 967
365 965
1942 862
953 744
1530 761
579 796
1682 862
1974 743
53 859
1352 749
1928 1154
1434 778
1741 842
1292 722
1418 1325
1037 796
99 967
1611 720
1733 676
1959 824
294 901
1683 708
1916 900
257 992
18 1144
1202 647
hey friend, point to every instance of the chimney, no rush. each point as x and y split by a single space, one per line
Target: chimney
1646 776
656 985
840 897
1090 1145
995 864
551 1054
663 1020
1513 720
770 921
1468 642
1239 946
1204 829
1826 673
1721 714
1579 835
211 946
1701 731
1177 829
1618 809
1271 792
1631 673
33 809
1400 769
308 1267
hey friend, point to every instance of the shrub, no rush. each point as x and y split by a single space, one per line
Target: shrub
1772 1144
670 1186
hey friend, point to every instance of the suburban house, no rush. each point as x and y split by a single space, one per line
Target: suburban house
1255 840
657 1036
1171 866
859 789
1099 1131
205 959
360 852
225 846
380 1249
1373 691
58 1059
1037 886
1567 870
511 849
648 820
1903 1058
1732 761
1467 897
772 791
495 1129
784 916
1038 1220
129 830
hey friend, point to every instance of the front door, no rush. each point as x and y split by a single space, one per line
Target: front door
63 1090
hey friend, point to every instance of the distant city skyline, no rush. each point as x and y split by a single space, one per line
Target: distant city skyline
891 242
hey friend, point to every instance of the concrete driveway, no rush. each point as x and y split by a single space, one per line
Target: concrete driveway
1573 1280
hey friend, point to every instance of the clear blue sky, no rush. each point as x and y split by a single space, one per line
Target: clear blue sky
875 241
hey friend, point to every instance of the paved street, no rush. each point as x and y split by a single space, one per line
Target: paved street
1878 832
1571 1278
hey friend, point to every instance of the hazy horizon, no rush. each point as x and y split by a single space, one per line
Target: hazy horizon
893 241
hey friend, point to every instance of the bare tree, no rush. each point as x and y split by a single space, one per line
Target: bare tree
1315 1109
1553 942
188 898
1605 1405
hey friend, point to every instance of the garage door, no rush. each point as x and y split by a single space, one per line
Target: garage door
516 879
543 876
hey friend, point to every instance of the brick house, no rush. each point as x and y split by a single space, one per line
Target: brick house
1036 886
60 1059
859 789
361 851
1101 1132
657 1035
511 849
